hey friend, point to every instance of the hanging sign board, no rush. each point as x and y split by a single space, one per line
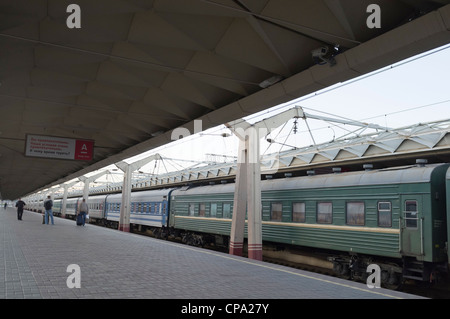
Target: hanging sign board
59 147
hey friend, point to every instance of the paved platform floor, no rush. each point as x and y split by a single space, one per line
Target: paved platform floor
113 264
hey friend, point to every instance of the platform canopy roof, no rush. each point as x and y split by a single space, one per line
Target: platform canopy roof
137 69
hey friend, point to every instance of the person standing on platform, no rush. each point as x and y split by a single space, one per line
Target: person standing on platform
20 205
84 210
48 204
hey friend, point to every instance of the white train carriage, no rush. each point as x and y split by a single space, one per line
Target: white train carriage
31 205
96 206
40 207
149 208
57 207
72 207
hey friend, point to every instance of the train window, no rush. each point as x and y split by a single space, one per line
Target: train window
411 213
276 212
191 209
325 213
158 208
202 210
384 214
213 212
298 212
226 210
355 213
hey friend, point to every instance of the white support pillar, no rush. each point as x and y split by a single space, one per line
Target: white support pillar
254 211
128 169
124 219
247 195
64 200
239 203
87 180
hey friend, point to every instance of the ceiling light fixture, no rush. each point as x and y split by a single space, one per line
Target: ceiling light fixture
271 81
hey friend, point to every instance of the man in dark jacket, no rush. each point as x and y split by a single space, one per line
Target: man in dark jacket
20 205
48 204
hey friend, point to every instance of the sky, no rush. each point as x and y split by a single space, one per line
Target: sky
413 91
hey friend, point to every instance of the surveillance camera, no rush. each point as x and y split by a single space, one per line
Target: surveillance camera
320 52
323 55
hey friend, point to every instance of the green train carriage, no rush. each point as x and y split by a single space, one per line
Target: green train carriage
395 217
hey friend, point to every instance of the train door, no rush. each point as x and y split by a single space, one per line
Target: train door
411 226
165 211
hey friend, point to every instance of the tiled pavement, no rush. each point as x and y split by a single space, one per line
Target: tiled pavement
34 260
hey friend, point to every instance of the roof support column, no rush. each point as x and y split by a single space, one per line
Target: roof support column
124 219
254 196
125 207
247 195
239 203
87 180
64 200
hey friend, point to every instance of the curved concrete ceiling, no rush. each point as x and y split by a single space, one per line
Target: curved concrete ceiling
137 69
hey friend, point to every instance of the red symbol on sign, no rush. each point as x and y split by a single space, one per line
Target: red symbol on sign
84 150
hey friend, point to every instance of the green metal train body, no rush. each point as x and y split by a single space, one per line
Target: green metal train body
395 217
